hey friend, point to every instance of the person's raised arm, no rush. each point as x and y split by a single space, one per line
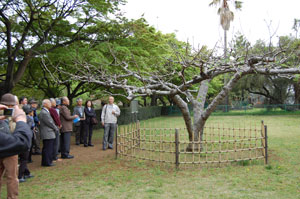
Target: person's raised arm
20 140
67 115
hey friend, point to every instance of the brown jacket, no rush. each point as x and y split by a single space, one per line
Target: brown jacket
66 119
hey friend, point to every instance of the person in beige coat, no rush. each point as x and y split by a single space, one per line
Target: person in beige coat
67 127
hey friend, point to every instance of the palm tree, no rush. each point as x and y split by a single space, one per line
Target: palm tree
226 16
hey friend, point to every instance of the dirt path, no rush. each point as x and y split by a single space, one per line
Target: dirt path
82 155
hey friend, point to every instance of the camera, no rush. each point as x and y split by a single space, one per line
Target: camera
8 112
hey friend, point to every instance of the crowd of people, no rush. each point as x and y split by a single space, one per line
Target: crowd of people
21 133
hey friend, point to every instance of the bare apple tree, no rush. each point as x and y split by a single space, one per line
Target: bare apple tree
171 79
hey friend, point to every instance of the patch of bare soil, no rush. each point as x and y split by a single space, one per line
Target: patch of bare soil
81 155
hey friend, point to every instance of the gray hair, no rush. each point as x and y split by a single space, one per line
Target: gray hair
78 99
52 100
64 99
45 101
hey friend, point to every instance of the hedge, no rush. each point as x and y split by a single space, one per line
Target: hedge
127 117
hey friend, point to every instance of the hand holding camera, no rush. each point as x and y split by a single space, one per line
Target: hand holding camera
18 114
2 107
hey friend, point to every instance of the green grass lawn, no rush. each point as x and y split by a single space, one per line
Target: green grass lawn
110 178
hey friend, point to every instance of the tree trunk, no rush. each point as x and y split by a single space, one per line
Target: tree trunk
161 98
225 76
297 92
145 101
154 100
183 106
199 121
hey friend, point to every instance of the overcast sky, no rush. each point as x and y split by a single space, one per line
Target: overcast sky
196 21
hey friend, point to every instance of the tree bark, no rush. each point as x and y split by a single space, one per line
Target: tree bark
296 86
183 106
153 100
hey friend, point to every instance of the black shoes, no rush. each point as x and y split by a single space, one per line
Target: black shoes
86 145
37 153
50 165
77 143
67 157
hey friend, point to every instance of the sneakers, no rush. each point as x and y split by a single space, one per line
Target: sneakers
28 176
21 180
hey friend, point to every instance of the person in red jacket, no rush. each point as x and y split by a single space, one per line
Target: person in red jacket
56 118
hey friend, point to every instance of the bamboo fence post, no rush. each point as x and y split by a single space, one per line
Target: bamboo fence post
220 146
263 138
266 144
117 129
176 148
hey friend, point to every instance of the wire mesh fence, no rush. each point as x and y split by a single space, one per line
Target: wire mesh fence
220 145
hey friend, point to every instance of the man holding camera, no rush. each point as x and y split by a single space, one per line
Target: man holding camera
12 144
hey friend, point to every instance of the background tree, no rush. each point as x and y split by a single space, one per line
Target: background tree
30 28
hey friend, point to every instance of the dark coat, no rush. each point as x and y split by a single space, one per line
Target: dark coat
30 122
66 119
89 114
35 117
16 143
4 127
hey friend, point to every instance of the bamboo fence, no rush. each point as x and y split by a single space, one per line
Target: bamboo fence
219 146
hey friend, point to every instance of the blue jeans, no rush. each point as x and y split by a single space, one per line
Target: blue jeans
108 138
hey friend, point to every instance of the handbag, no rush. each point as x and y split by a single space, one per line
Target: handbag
94 121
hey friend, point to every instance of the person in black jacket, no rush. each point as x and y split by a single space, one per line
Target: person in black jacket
11 145
89 114
24 172
37 138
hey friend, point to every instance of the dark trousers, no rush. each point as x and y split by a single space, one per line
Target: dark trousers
31 150
88 133
23 169
56 146
47 152
79 132
108 138
65 139
36 143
